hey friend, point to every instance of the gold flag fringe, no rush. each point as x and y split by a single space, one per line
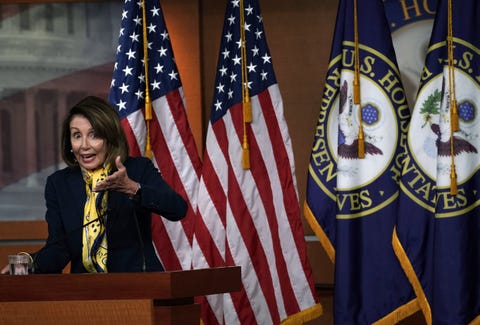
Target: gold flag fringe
412 277
304 316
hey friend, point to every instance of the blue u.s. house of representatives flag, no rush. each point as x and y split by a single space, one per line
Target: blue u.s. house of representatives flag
437 238
352 201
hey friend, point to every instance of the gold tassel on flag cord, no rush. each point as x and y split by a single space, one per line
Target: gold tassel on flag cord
453 174
453 101
453 179
451 72
356 84
148 102
247 105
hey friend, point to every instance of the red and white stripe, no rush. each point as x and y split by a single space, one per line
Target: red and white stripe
251 218
175 154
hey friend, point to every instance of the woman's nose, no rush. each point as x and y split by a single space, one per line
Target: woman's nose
85 143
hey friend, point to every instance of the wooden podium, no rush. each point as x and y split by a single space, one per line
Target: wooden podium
112 298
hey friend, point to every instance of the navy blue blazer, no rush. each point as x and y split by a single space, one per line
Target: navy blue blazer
65 197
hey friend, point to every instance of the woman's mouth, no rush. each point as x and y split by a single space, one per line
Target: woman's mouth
87 158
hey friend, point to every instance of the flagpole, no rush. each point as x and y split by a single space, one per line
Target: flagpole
148 102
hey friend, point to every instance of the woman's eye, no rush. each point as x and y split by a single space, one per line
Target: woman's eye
75 135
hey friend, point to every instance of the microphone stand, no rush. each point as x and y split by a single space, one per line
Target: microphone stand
140 239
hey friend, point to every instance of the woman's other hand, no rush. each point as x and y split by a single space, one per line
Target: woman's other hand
5 269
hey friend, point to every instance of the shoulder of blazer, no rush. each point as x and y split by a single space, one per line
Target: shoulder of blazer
66 178
65 174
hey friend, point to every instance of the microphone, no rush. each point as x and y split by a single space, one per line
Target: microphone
36 265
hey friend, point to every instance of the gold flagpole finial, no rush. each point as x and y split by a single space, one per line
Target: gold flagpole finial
148 102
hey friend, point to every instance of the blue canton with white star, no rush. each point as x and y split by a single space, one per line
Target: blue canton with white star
127 92
228 90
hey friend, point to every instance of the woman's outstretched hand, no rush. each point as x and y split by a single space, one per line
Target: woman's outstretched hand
118 181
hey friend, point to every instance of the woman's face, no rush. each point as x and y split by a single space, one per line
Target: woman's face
89 150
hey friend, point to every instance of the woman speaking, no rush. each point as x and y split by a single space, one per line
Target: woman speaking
99 207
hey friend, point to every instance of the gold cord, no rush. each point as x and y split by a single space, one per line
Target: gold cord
247 105
453 102
356 83
148 102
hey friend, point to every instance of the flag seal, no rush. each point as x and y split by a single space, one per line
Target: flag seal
383 107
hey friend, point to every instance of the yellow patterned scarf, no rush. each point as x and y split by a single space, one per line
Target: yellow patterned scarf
94 239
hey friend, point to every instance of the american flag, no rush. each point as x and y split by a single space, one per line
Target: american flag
251 217
173 147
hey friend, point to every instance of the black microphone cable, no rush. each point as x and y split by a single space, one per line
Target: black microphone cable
140 239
